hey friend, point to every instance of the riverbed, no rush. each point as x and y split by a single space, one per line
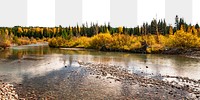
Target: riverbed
40 72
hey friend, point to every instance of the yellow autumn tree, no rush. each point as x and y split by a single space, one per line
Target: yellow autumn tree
19 30
124 42
101 40
120 29
170 30
184 40
4 40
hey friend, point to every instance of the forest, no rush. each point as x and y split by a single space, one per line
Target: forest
149 38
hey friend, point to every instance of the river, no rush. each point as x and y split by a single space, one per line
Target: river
48 71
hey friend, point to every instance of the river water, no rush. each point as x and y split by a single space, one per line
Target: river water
46 69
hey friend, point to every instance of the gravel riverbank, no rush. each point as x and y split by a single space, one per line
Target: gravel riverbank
102 81
154 87
7 92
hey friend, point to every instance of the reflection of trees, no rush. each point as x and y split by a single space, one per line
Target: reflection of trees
183 61
178 63
101 59
5 53
70 52
156 61
68 58
145 58
126 62
19 52
64 60
184 64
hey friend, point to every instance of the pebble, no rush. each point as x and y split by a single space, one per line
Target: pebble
117 73
7 92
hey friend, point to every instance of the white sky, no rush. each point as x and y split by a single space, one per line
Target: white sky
196 14
149 9
42 12
96 11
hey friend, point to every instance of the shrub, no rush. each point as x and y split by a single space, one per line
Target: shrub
5 40
57 42
5 43
82 42
184 39
124 42
23 41
100 40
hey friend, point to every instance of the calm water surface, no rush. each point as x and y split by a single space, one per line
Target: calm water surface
40 65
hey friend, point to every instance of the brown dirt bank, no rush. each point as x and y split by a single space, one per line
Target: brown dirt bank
77 49
191 52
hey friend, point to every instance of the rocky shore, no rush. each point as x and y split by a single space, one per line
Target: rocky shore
73 84
184 88
7 92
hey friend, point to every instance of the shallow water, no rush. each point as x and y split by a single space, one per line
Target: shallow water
52 71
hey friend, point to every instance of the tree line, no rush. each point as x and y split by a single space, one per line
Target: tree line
155 27
159 27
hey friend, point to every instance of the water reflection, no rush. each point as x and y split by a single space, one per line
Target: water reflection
35 61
